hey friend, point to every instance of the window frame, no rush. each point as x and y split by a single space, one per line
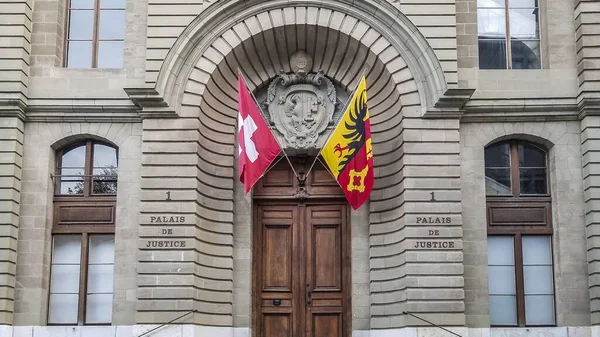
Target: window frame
83 269
515 176
87 172
518 231
95 35
508 55
85 230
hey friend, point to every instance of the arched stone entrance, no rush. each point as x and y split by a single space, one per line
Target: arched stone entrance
196 152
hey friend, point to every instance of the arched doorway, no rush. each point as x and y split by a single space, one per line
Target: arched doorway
301 240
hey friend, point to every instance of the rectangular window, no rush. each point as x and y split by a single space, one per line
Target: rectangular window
81 279
520 279
517 21
96 34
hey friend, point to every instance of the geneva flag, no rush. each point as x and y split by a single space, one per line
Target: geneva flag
348 153
257 145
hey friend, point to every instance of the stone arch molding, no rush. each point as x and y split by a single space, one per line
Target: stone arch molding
222 17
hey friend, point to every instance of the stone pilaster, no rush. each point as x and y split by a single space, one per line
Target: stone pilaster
587 29
11 162
15 39
186 224
432 221
415 232
590 145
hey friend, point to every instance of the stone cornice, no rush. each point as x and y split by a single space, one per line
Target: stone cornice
150 103
13 108
589 107
520 110
450 105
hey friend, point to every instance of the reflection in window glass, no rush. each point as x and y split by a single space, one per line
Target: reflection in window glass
82 25
64 279
72 171
79 54
96 36
112 25
525 54
524 30
497 170
501 281
538 279
105 170
492 53
100 279
76 175
112 4
110 54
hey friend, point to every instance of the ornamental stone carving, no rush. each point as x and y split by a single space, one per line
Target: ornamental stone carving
301 104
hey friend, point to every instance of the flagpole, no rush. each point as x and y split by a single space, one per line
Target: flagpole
336 124
267 122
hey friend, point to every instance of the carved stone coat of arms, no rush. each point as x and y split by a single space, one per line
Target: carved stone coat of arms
301 106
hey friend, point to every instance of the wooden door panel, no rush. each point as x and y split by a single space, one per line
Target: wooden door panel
326 258
277 258
327 270
277 325
327 325
276 233
301 267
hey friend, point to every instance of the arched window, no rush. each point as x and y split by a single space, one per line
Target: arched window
87 169
81 275
515 169
519 227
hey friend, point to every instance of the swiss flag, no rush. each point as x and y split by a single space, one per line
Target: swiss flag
257 145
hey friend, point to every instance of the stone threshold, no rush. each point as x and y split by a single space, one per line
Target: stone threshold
204 331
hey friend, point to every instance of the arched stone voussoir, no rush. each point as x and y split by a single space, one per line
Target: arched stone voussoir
221 19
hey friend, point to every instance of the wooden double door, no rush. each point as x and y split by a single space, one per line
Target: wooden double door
301 269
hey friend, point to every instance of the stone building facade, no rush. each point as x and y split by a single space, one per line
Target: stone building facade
121 210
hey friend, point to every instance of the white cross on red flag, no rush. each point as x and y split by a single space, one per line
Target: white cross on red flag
257 145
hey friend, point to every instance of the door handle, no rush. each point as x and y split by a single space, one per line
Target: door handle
308 294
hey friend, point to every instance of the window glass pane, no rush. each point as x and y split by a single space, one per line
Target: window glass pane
64 279
81 25
110 54
531 156
490 3
79 54
74 157
82 4
63 308
533 181
525 54
112 25
537 250
112 4
522 3
100 279
492 53
102 249
501 280
538 280
99 308
105 170
497 181
491 23
503 310
66 249
539 309
524 23
497 156
500 251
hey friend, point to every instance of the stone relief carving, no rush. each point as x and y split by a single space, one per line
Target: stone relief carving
301 105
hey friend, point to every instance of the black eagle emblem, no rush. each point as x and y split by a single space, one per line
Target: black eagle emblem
357 129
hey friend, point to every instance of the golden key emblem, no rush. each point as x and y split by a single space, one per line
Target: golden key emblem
357 180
